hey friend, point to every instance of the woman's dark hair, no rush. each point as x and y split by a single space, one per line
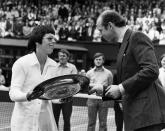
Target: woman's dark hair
37 36
113 17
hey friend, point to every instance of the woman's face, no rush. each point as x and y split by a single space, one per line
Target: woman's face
163 62
48 43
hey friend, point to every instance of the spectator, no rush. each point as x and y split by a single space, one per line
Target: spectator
2 26
72 36
157 10
153 33
143 11
14 12
64 68
27 29
18 28
9 28
2 78
162 70
63 11
162 34
63 32
99 76
90 29
8 13
3 82
81 30
96 35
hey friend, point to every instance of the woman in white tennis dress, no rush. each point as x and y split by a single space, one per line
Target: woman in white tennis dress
27 72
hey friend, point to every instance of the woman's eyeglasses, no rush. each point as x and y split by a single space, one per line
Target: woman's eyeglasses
50 39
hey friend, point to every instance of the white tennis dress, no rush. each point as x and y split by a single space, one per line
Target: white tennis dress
36 115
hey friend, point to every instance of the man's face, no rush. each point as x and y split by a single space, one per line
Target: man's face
108 32
48 43
63 58
99 61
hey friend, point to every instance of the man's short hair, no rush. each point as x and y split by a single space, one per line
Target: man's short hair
37 35
113 17
65 51
98 54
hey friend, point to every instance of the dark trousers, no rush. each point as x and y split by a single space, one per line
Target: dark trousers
66 111
118 116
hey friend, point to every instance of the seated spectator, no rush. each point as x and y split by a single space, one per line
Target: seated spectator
63 32
81 30
1 12
18 27
3 82
2 78
8 13
72 33
153 32
162 37
96 36
157 10
9 33
27 29
2 26
9 28
163 15
14 12
63 11
90 29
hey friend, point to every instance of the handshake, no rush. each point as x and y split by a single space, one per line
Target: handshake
111 91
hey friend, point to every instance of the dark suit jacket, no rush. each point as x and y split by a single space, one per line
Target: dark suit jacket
137 70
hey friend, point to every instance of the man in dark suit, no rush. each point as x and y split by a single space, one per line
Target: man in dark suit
137 73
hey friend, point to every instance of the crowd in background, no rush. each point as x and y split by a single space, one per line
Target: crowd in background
74 20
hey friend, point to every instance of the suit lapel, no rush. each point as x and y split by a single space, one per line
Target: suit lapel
122 52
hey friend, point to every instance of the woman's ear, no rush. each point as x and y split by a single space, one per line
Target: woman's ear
37 45
110 25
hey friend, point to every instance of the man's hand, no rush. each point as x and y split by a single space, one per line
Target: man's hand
113 91
98 89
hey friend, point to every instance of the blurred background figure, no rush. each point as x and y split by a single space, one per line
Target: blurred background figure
98 76
162 70
64 68
2 78
82 72
3 82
